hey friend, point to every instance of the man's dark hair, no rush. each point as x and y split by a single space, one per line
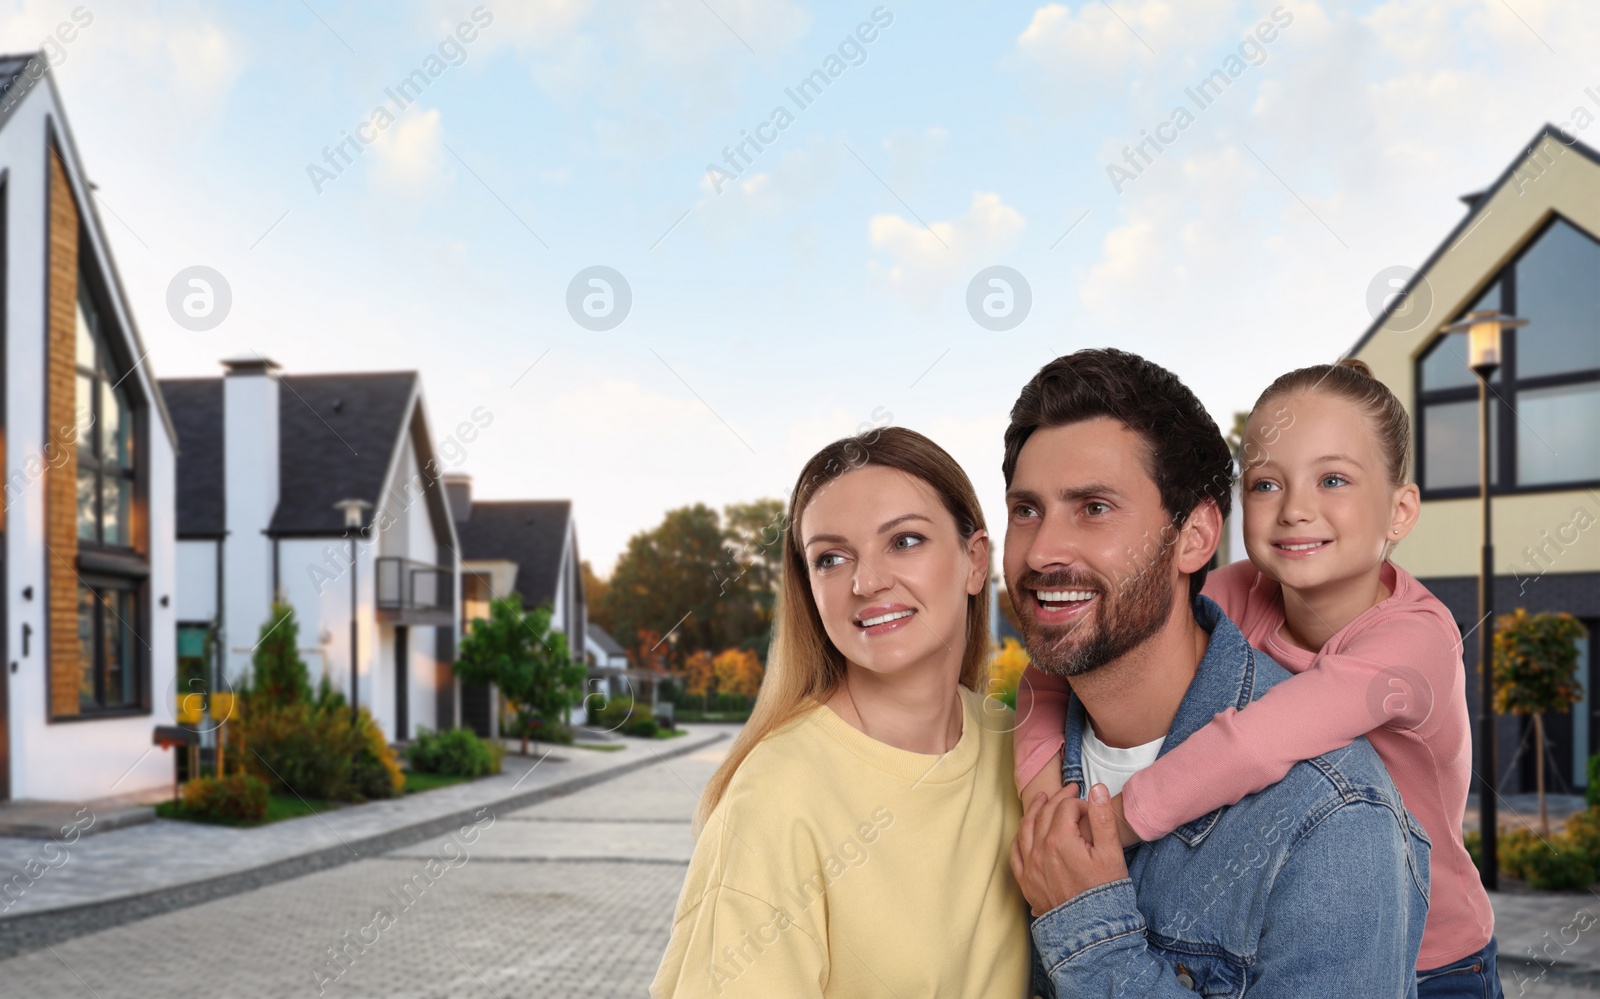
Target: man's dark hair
1185 452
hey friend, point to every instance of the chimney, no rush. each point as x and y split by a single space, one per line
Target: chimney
250 490
458 490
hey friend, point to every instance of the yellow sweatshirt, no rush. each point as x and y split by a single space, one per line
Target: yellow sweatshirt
837 865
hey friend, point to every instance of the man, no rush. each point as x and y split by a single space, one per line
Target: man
1118 484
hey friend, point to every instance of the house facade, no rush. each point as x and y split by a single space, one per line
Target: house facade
88 574
1529 246
268 465
529 547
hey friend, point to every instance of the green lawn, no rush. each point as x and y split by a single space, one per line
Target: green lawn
427 782
603 747
672 733
279 807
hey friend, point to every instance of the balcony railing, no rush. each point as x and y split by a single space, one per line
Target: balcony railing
412 592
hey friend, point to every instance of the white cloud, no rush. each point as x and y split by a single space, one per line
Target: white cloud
928 259
912 153
409 154
203 58
1068 57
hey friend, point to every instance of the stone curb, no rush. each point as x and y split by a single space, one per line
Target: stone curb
32 931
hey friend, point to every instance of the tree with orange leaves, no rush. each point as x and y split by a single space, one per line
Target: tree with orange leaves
699 674
738 672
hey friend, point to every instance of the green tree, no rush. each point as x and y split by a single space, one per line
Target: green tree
667 582
754 539
517 651
594 595
1535 670
278 675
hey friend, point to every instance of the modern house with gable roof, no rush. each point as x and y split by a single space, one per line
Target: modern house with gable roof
1529 246
529 547
267 460
87 567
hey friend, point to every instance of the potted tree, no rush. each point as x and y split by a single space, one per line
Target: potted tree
1535 671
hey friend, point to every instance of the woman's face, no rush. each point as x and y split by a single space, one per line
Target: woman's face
888 570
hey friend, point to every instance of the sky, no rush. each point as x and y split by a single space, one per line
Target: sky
815 280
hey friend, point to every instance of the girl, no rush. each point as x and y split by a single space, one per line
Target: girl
1326 498
855 840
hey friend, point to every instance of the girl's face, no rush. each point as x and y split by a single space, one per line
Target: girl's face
1318 505
888 570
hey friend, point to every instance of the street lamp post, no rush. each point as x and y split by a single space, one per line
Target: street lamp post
353 510
1484 329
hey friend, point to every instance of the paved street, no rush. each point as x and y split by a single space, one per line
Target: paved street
571 897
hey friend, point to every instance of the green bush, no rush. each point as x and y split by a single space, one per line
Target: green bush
1517 849
644 726
1568 859
537 728
316 752
1558 871
456 752
238 798
1591 794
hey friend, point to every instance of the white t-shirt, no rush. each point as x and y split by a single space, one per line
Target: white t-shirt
1108 765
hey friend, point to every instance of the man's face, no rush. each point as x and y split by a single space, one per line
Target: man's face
1089 550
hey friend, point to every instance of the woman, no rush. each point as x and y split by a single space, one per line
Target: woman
855 840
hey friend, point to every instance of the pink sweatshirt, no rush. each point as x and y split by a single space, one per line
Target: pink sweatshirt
1394 674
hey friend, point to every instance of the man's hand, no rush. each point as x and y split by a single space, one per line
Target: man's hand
1066 846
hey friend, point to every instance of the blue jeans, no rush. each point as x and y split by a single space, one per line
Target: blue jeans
1473 977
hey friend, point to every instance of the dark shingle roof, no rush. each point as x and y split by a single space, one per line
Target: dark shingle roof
530 533
196 408
12 79
603 638
337 434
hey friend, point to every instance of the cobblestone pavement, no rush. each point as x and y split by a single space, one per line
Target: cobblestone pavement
569 898
572 897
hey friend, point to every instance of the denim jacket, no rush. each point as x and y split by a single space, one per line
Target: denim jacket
1315 886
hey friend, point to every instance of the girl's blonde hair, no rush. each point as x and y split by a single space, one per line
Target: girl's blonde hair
803 665
1352 380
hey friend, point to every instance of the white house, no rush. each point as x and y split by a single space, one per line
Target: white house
525 546
266 461
88 574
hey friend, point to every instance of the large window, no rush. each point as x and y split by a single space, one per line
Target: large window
105 441
112 567
1545 402
110 644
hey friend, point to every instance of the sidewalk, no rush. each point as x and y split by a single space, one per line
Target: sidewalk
52 890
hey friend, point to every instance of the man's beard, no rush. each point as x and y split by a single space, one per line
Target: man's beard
1128 615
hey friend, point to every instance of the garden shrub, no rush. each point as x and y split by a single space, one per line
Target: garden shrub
314 751
374 769
238 798
1517 848
456 752
1591 794
1559 869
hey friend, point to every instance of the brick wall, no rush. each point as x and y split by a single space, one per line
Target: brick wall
61 481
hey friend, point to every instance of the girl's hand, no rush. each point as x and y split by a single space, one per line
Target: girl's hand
1124 831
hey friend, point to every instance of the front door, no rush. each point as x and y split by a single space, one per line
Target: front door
402 686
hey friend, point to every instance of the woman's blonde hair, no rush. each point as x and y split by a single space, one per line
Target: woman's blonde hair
803 665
